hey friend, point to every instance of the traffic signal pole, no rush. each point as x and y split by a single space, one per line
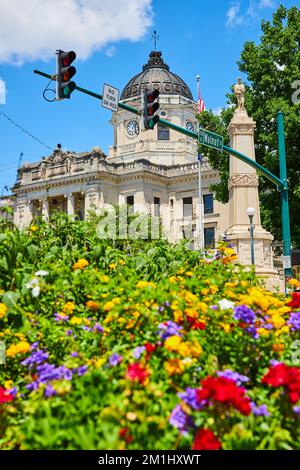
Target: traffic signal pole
280 183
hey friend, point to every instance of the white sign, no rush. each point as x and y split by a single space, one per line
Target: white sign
110 97
286 262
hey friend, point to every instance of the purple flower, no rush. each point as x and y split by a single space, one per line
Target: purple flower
189 396
138 351
60 317
114 359
296 409
180 420
74 354
235 376
252 331
214 307
86 328
32 386
82 370
50 391
34 345
169 328
98 328
259 410
13 391
294 321
244 314
36 358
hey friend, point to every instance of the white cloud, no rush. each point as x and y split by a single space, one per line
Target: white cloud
233 16
34 29
110 51
217 111
2 92
266 3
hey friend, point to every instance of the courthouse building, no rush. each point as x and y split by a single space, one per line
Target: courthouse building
155 171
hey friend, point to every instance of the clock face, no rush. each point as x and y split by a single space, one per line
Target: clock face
190 126
133 128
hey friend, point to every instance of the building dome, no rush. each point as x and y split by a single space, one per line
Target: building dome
156 75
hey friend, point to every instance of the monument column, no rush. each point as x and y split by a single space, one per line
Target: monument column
243 193
70 204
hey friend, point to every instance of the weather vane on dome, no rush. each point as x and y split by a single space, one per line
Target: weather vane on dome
155 37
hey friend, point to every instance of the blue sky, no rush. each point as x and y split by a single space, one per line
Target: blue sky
112 39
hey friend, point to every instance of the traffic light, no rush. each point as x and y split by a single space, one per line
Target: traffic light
64 73
150 106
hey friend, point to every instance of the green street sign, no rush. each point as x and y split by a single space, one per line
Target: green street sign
209 139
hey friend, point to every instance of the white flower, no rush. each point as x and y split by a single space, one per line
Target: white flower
33 283
36 291
34 286
41 273
225 304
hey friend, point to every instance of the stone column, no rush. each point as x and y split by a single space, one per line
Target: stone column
70 204
45 208
243 193
23 213
93 200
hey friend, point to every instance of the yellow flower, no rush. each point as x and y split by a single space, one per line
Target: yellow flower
104 278
174 366
68 308
20 348
92 305
277 321
122 262
213 289
173 343
173 279
8 384
76 321
294 283
99 363
178 316
189 273
112 266
33 228
3 310
80 264
263 331
131 416
226 327
110 304
143 284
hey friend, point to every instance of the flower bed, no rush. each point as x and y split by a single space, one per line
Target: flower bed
141 345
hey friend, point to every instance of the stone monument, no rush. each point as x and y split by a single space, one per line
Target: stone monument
243 193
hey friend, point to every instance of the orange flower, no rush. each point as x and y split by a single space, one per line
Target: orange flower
81 264
92 305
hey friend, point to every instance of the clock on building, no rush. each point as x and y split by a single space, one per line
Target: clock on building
190 126
133 128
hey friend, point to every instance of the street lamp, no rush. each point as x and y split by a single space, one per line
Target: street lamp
251 212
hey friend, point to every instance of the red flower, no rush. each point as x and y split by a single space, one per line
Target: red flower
124 434
137 372
224 390
206 440
198 325
5 396
295 302
150 348
282 375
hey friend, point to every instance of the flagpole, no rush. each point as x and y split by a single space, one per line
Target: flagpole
200 205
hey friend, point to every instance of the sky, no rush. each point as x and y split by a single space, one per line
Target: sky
112 40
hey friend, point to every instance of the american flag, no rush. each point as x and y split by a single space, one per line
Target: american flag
200 104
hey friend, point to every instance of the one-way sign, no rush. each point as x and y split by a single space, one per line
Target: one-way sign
110 98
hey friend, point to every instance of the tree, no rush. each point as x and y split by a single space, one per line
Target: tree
272 68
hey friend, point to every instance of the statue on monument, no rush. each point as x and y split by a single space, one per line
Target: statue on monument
239 91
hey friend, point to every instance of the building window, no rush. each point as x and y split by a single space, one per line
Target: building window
163 132
156 207
130 204
208 203
172 203
209 237
187 206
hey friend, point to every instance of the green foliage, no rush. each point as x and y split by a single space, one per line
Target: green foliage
271 67
97 298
